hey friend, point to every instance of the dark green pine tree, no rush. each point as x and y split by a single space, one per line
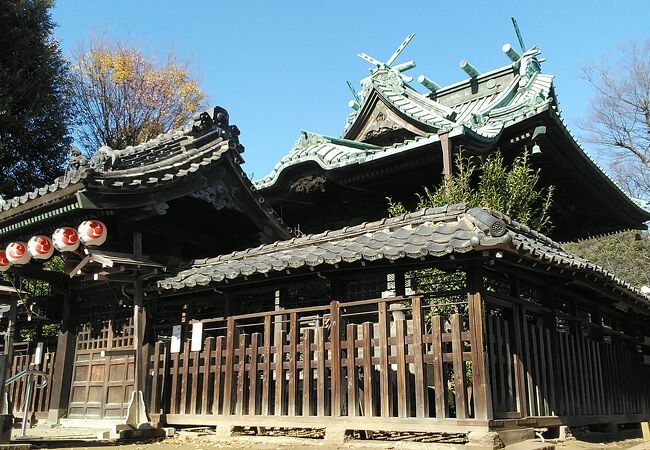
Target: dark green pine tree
34 113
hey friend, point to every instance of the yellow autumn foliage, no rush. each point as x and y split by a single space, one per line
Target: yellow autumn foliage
124 97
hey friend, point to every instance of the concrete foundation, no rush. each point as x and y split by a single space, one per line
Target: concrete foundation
509 437
483 440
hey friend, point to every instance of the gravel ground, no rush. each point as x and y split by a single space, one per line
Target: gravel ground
64 438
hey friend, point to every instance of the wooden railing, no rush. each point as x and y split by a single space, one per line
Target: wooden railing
564 373
387 358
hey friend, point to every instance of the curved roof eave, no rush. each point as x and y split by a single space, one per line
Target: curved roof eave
633 203
432 232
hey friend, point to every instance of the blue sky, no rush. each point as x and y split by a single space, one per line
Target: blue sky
281 66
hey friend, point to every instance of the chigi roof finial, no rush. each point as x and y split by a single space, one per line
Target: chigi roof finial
388 64
521 40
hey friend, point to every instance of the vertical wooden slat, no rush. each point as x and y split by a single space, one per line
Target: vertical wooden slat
252 373
552 375
293 361
231 332
185 376
384 375
518 356
351 337
335 359
528 358
207 366
241 373
544 365
494 352
500 379
307 339
368 334
511 403
320 356
538 408
421 399
588 379
402 386
601 388
438 369
279 371
595 370
581 372
574 374
459 367
266 365
174 376
217 385
164 391
562 366
611 390
153 405
196 358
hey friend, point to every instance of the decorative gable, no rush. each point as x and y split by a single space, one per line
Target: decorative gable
379 123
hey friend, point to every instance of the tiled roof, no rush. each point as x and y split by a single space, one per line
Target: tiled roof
484 115
431 232
162 160
329 155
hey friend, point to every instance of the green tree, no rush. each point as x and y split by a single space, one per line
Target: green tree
512 190
34 113
479 182
626 253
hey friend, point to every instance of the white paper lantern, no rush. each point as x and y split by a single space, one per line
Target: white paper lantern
66 239
4 262
40 247
17 253
92 232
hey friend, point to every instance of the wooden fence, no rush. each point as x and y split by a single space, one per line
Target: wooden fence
385 358
24 359
564 373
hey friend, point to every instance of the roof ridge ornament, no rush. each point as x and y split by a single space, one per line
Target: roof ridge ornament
388 65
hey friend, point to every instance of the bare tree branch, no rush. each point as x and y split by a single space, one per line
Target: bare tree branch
619 119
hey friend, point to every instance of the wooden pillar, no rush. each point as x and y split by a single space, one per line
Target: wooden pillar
6 360
64 361
480 376
136 413
142 336
11 329
445 144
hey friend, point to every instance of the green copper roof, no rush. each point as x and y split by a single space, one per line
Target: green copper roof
523 93
482 107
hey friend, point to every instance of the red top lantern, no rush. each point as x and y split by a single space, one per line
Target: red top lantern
40 247
17 253
92 232
4 261
66 239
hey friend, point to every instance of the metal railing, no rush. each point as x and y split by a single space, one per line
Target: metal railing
30 374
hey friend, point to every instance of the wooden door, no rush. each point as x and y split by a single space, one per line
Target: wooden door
103 375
